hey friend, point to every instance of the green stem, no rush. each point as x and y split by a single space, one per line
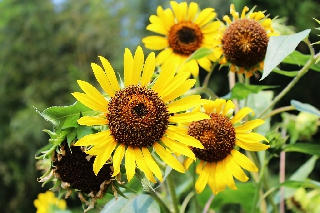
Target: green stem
162 205
302 71
276 111
172 190
186 201
207 78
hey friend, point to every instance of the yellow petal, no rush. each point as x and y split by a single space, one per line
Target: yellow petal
89 102
163 56
220 175
148 69
229 106
102 158
228 174
187 163
157 28
155 42
165 77
252 146
151 163
137 66
219 105
200 167
249 125
182 130
179 10
241 114
212 182
205 16
130 163
211 27
175 83
167 157
128 62
243 161
251 137
202 180
110 73
192 67
185 139
155 20
91 121
184 87
235 169
142 165
117 159
92 92
209 107
184 103
205 63
192 11
178 147
93 139
103 79
188 117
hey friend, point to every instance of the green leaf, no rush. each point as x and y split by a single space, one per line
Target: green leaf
305 107
83 131
241 91
307 148
134 204
300 59
243 196
297 184
286 73
200 53
280 47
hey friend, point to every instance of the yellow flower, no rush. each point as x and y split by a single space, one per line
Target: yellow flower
220 160
47 202
245 40
183 30
140 116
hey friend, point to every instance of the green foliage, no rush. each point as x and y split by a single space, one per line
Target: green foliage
241 91
135 204
279 47
300 59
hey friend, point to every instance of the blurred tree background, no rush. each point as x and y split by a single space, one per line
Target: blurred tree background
45 46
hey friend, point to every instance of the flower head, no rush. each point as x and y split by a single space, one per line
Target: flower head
47 203
245 40
138 117
183 30
220 135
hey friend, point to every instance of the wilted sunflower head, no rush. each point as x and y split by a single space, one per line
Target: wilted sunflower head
183 30
245 40
222 135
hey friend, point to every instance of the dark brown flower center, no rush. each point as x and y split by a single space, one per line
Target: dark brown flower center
74 167
137 116
185 38
217 135
245 43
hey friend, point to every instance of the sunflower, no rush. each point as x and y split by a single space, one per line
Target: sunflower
183 30
139 117
245 39
221 135
47 202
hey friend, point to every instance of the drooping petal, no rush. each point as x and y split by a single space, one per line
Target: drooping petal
229 177
221 177
148 69
212 182
187 163
117 159
142 165
89 102
168 158
205 63
249 125
236 170
243 161
137 65
91 121
130 163
102 158
151 163
110 73
93 139
192 67
188 117
241 114
200 167
178 147
185 139
103 79
202 180
127 63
